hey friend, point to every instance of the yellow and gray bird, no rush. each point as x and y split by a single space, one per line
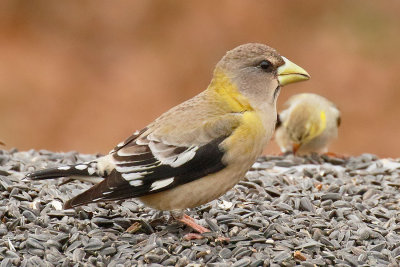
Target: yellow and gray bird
308 124
198 150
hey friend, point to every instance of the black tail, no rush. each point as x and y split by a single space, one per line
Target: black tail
112 188
81 169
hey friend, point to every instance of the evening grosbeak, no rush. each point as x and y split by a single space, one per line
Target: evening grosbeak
198 150
309 124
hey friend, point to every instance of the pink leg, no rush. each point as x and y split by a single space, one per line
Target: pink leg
189 221
335 155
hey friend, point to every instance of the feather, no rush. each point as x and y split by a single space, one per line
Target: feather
155 175
81 169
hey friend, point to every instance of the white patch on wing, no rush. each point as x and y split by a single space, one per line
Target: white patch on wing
81 166
131 151
184 157
107 192
133 175
91 171
163 153
64 168
136 182
135 168
122 153
162 183
141 142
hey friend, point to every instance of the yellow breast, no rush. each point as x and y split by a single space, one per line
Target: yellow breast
248 139
228 94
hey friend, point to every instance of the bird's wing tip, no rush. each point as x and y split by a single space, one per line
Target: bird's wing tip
68 205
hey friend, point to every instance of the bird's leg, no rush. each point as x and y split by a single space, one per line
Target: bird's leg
189 221
186 219
335 155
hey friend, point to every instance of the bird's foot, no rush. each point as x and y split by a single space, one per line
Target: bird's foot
335 155
192 236
218 239
189 221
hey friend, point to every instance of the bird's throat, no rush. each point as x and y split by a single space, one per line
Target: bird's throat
228 93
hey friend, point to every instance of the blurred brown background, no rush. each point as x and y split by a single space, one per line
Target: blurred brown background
83 75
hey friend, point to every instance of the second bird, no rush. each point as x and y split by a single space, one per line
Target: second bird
309 124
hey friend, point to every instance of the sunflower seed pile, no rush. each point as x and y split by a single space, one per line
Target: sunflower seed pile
288 211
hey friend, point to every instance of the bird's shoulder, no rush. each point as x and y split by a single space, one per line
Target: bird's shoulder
195 122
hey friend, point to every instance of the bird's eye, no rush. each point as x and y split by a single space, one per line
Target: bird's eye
265 65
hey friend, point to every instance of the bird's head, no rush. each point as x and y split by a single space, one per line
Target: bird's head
258 71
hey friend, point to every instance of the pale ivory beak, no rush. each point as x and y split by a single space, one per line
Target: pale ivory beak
291 73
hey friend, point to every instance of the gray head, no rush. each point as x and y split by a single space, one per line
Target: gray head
258 71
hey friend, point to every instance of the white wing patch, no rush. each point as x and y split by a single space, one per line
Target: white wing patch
137 160
64 168
136 168
167 156
136 182
141 142
91 171
133 175
184 157
81 166
162 183
130 151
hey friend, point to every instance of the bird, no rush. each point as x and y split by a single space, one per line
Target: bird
199 149
309 124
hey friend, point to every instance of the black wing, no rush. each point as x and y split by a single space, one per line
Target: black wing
145 166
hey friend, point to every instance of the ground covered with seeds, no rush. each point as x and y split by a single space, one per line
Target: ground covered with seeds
288 211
